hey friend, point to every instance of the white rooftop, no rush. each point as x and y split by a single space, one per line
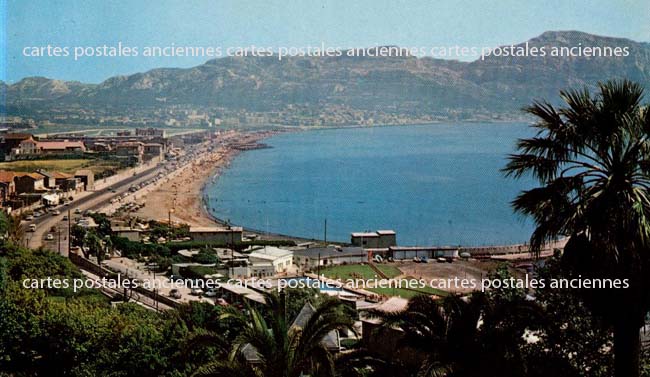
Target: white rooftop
270 253
366 234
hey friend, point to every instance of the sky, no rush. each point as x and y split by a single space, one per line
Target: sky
361 23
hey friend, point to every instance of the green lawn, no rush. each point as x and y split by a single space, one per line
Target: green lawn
389 270
359 271
349 271
408 293
64 165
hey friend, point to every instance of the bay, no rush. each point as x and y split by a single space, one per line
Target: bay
437 184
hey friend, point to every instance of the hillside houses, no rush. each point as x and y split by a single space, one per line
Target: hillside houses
145 145
30 148
20 189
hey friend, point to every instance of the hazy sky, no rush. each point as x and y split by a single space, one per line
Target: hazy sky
285 23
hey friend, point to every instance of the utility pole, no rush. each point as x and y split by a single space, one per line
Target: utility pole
69 220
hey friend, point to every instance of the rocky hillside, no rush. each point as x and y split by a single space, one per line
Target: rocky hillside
401 85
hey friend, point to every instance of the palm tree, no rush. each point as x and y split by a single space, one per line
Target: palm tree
464 336
15 230
279 349
591 159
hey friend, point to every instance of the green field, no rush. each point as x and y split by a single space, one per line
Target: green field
408 293
389 270
64 166
363 271
349 271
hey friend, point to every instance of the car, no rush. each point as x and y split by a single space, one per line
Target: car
196 292
32 228
113 191
49 237
77 211
56 212
29 218
65 218
211 292
175 293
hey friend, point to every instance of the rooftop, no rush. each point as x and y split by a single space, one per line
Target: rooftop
270 253
7 176
365 234
124 229
215 229
60 144
330 251
55 174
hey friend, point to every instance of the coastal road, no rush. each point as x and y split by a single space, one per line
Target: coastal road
84 201
93 200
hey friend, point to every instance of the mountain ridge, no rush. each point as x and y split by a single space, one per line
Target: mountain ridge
407 86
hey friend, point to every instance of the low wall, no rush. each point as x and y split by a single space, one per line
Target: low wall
100 271
510 249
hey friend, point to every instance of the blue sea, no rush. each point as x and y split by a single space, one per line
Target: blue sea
433 184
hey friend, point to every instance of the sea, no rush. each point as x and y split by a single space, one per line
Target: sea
435 185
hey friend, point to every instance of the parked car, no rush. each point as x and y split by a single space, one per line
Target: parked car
175 293
196 292
32 228
65 218
211 292
49 237
77 211
29 218
56 212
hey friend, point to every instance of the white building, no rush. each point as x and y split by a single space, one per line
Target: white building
268 260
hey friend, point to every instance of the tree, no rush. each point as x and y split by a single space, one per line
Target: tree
95 245
78 234
571 340
15 231
591 159
283 351
465 336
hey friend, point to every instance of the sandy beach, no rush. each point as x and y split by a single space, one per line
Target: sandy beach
181 192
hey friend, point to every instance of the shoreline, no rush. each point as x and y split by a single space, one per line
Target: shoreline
180 196
194 202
